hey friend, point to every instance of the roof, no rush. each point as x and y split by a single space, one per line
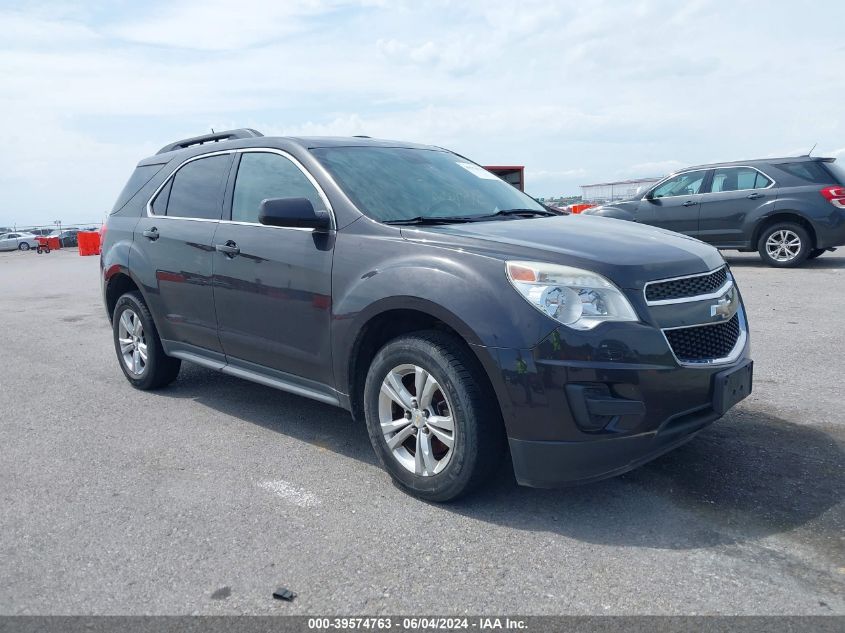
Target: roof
246 137
782 159
312 142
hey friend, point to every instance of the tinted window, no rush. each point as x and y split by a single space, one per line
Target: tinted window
738 179
838 172
685 184
197 188
262 175
395 183
808 170
160 202
140 177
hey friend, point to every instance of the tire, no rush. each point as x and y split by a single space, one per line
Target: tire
816 252
784 245
456 393
158 370
24 246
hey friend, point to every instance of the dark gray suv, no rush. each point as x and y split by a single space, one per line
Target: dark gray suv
788 209
449 311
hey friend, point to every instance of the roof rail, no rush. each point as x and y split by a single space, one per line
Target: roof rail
244 132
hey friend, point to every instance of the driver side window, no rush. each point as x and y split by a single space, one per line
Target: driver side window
263 175
686 184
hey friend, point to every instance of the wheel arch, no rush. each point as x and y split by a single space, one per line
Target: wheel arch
784 216
117 283
394 318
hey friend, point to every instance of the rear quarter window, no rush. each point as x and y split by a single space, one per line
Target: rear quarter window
837 171
140 177
810 171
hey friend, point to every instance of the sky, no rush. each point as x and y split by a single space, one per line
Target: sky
578 92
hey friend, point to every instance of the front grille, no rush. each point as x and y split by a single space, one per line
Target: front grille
686 287
704 342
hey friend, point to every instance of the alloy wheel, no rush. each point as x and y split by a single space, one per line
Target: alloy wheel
783 245
416 420
133 344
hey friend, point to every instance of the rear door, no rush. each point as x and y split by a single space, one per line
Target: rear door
674 203
273 298
175 240
733 193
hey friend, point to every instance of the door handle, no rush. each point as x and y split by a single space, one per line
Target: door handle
229 249
754 196
689 203
151 234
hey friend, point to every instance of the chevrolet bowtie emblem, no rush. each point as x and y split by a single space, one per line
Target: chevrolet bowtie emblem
722 308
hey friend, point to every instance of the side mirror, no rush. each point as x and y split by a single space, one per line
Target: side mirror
292 212
649 196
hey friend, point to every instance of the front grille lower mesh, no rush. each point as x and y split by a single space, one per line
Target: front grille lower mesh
705 342
687 287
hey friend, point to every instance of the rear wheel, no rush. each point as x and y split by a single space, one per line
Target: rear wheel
431 423
784 245
138 345
24 246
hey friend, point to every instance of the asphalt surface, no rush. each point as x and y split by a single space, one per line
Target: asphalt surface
206 496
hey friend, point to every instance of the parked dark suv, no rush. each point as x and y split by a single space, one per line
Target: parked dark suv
448 310
788 209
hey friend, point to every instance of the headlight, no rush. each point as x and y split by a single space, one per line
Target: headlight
579 299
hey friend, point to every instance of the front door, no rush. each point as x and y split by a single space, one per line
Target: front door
734 193
174 243
273 297
674 204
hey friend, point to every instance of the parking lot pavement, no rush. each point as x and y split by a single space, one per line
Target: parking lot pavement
206 496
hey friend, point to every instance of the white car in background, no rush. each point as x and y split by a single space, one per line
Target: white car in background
17 241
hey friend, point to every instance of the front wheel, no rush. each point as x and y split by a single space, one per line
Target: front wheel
138 345
433 425
784 245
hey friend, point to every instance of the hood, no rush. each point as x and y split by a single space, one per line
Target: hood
630 204
627 253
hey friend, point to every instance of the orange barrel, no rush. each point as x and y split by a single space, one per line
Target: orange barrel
89 242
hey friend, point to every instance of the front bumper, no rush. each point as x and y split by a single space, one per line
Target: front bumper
549 464
623 375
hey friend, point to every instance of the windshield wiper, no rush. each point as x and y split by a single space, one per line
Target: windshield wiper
429 220
522 212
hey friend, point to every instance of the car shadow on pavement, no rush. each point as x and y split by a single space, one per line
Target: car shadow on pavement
320 424
825 262
747 476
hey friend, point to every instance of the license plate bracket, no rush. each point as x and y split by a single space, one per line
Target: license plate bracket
731 386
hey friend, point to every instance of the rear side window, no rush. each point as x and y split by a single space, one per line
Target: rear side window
196 191
140 177
809 170
738 179
263 175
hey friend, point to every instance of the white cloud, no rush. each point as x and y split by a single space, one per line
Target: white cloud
220 25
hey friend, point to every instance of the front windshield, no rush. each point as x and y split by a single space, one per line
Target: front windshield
395 183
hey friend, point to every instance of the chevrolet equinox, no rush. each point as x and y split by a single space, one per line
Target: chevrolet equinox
788 209
452 313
